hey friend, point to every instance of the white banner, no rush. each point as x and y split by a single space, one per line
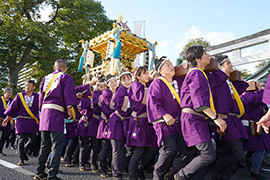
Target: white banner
110 48
90 57
137 28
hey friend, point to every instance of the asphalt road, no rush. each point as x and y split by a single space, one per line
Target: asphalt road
10 171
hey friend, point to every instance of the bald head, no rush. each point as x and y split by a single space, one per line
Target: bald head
60 64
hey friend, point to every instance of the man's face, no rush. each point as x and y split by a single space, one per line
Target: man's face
205 59
167 69
8 94
227 66
29 87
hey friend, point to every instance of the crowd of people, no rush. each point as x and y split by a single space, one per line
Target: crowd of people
181 125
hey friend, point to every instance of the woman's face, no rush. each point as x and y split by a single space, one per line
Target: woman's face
167 69
126 80
144 77
112 84
227 66
102 86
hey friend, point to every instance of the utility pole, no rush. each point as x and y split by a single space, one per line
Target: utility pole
139 34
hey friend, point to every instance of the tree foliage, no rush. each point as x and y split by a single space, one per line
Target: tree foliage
261 64
3 76
26 39
192 42
244 73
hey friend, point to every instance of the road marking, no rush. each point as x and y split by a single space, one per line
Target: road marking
265 169
16 168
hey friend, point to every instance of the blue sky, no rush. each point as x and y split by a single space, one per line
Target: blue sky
171 23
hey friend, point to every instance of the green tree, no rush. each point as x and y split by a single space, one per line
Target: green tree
261 64
244 73
25 39
3 75
191 42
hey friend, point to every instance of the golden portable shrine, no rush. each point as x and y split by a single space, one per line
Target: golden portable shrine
118 49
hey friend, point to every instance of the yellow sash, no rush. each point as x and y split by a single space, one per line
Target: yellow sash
238 101
73 113
5 105
171 88
212 106
51 83
27 108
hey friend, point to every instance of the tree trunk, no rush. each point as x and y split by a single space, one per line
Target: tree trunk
13 77
14 67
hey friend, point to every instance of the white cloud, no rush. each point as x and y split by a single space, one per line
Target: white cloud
250 51
163 44
213 37
218 37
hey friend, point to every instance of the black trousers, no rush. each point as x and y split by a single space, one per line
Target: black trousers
129 152
5 134
230 154
95 145
173 152
50 141
206 156
84 146
72 145
120 157
105 154
30 143
140 159
25 142
76 154
11 138
65 144
36 147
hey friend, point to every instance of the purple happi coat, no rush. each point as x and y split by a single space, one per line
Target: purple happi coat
253 106
71 130
62 93
141 132
225 104
24 125
106 101
195 93
93 125
85 89
85 110
266 94
215 80
160 101
2 115
118 128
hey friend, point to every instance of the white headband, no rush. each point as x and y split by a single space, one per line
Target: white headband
124 73
223 60
161 64
137 70
111 79
101 83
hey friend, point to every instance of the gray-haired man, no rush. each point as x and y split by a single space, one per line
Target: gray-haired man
4 131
